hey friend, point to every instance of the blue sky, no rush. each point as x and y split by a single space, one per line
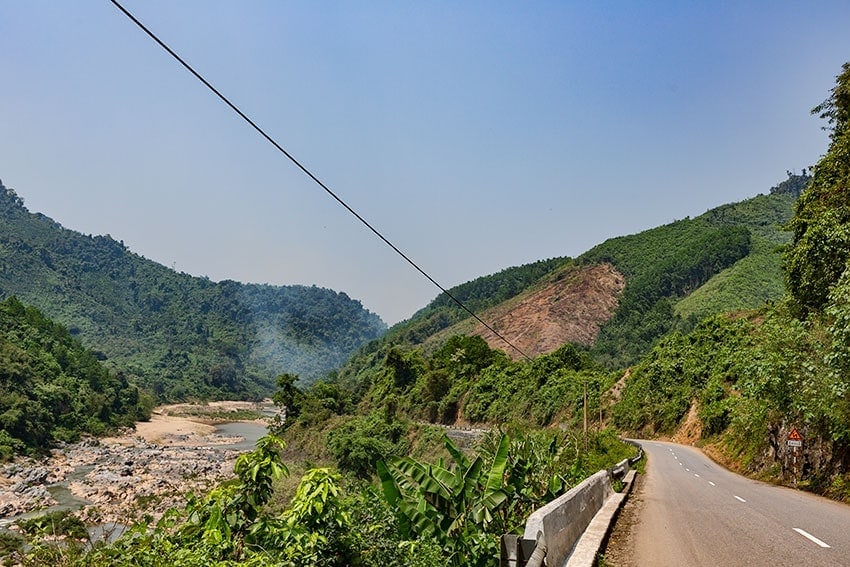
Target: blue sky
474 135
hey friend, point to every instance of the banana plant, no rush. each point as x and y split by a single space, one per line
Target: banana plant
440 501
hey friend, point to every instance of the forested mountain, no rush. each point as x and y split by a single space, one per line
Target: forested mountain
618 298
54 389
725 259
180 335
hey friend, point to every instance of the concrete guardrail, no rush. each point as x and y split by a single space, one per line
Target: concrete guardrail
570 530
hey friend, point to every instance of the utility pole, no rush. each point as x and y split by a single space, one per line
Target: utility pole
585 416
599 402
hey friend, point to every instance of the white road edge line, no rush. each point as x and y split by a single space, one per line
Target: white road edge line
739 498
806 534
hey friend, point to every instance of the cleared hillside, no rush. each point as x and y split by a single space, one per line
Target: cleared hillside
569 306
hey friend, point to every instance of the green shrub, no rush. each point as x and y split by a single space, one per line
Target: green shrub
359 443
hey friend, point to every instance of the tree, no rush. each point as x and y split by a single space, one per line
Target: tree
820 245
288 398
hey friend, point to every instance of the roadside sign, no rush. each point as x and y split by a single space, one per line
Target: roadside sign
794 438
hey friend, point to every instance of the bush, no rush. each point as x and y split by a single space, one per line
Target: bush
362 441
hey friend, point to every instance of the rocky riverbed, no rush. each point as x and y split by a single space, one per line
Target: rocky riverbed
121 479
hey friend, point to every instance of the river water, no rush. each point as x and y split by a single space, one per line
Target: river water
249 431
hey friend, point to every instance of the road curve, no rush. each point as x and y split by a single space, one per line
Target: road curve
695 512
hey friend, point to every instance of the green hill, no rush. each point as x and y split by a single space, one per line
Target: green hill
182 336
54 389
726 259
756 279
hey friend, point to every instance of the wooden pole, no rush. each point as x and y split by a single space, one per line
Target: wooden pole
585 416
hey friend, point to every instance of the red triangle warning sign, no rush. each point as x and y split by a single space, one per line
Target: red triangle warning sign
794 435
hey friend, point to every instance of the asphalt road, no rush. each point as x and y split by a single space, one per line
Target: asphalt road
695 512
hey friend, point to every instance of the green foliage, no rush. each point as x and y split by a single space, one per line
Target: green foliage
765 216
662 386
750 378
660 265
361 441
289 398
466 379
182 336
537 391
467 505
52 388
454 507
228 519
55 524
837 361
820 244
793 186
748 284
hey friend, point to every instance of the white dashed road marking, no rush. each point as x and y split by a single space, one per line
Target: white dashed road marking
809 536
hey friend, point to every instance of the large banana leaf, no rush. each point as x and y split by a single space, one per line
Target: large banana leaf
460 459
496 476
388 485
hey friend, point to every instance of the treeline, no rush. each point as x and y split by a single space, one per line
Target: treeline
465 380
53 389
661 266
182 336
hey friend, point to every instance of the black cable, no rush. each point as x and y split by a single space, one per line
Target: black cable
308 172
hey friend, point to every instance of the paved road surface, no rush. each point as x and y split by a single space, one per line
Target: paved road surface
695 513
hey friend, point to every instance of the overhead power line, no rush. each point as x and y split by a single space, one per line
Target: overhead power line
309 174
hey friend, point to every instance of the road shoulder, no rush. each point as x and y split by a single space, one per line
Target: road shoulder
619 550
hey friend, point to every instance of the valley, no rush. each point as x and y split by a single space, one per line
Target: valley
728 331
140 473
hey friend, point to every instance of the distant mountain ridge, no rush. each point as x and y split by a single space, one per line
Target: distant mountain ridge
180 335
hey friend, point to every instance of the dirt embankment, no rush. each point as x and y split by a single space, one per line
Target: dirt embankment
571 308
